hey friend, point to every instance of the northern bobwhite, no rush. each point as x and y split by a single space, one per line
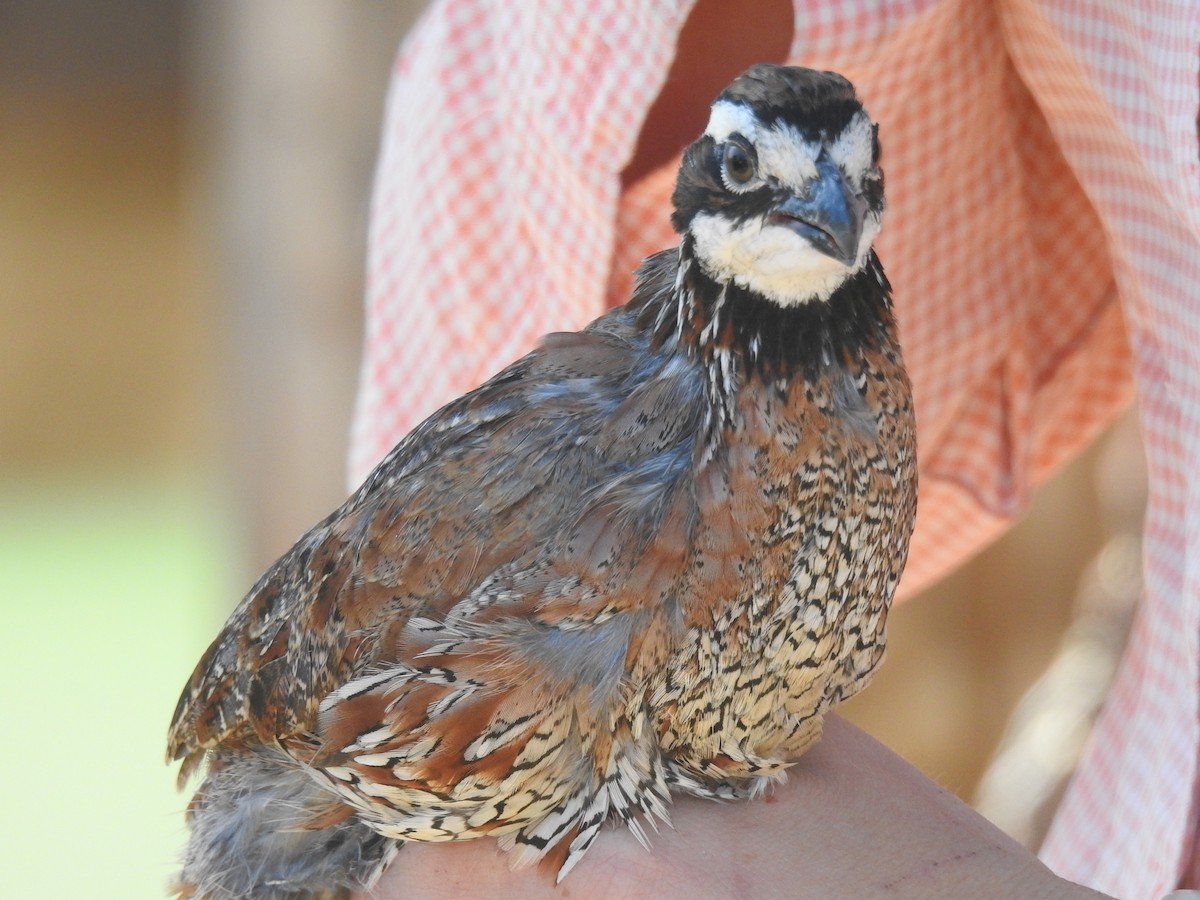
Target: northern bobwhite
645 558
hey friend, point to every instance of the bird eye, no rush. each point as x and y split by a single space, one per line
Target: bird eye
739 167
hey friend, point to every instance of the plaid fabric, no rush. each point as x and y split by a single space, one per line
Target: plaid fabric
1043 238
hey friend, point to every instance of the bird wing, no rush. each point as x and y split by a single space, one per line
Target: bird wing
557 463
523 710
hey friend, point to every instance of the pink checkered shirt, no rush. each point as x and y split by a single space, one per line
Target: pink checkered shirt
1043 239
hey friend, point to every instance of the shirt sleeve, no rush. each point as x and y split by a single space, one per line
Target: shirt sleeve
492 221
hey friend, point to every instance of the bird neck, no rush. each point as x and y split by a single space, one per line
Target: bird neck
733 329
736 336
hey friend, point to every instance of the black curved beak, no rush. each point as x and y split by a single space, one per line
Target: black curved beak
829 215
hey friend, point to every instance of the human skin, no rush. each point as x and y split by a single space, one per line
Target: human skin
854 820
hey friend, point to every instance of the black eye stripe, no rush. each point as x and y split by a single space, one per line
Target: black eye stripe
739 141
736 137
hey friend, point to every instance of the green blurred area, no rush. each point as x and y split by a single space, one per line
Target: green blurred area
114 560
108 598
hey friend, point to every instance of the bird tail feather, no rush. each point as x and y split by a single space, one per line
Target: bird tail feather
263 829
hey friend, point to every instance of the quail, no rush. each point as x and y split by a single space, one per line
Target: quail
645 558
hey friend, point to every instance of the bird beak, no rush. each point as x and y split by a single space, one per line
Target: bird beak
829 215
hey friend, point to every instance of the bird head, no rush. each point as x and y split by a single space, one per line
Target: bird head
783 195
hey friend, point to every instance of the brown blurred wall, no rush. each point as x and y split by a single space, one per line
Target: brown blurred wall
287 101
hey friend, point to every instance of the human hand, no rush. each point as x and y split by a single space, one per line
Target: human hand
854 820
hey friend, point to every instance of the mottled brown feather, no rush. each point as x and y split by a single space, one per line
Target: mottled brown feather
646 557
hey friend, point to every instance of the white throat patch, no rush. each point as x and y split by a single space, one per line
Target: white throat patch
772 260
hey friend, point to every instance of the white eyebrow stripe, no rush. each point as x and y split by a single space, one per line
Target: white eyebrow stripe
728 117
784 154
854 149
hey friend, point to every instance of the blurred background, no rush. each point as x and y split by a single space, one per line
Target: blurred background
183 207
